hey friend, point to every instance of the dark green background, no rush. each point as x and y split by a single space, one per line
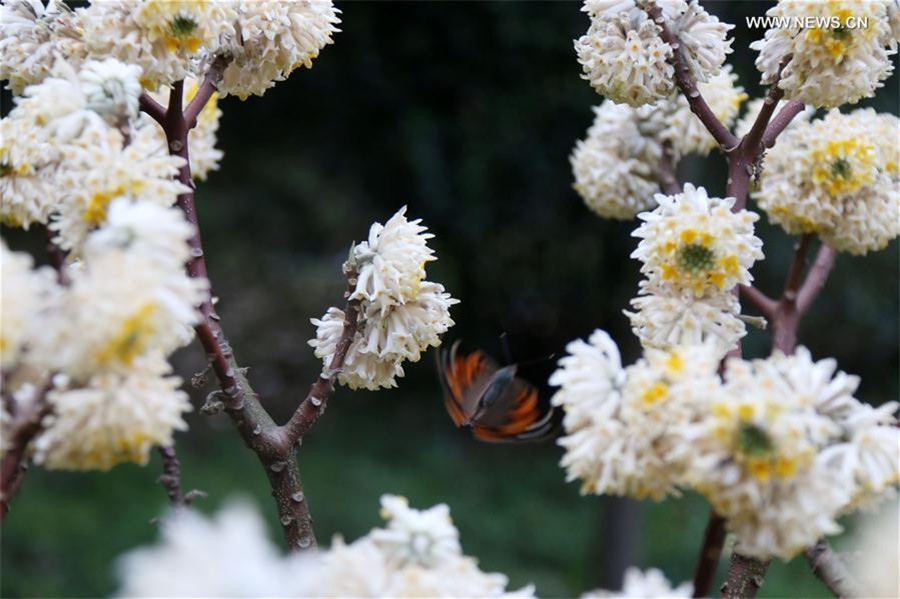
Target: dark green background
465 112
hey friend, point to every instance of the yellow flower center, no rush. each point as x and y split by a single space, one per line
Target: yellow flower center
132 338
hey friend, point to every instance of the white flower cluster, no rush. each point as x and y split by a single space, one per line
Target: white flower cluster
878 553
780 447
616 167
651 584
69 149
837 177
625 60
694 251
417 555
400 313
32 35
271 38
103 337
843 57
168 40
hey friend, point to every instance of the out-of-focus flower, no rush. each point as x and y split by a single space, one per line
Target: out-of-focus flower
272 38
694 242
186 563
400 314
23 297
32 36
837 177
830 65
615 166
115 417
111 89
625 60
876 553
651 584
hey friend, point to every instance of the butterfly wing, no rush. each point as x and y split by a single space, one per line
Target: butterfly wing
464 378
516 415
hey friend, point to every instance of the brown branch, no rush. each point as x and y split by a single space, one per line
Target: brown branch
780 121
745 577
828 566
314 405
686 82
666 173
171 479
25 427
816 278
710 552
207 88
798 265
153 108
763 302
751 144
254 424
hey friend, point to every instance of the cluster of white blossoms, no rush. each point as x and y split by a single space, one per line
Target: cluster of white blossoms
837 177
780 447
400 313
694 251
168 40
69 148
98 340
416 555
877 553
617 166
626 61
651 584
843 57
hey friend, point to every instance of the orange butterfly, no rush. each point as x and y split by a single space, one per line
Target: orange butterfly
492 401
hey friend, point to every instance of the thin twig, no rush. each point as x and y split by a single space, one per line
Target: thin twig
314 404
171 479
781 120
815 280
25 426
153 108
753 139
686 82
207 88
668 180
798 265
763 302
710 552
828 566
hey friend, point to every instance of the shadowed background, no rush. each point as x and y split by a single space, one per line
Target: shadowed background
465 112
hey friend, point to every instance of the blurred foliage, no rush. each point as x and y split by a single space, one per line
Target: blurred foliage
466 112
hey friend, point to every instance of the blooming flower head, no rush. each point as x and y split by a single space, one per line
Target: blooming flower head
694 242
112 89
32 36
272 38
400 314
115 417
615 165
769 452
664 319
163 37
625 60
840 51
651 584
616 420
837 177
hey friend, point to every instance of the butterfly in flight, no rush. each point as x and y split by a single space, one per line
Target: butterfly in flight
496 404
